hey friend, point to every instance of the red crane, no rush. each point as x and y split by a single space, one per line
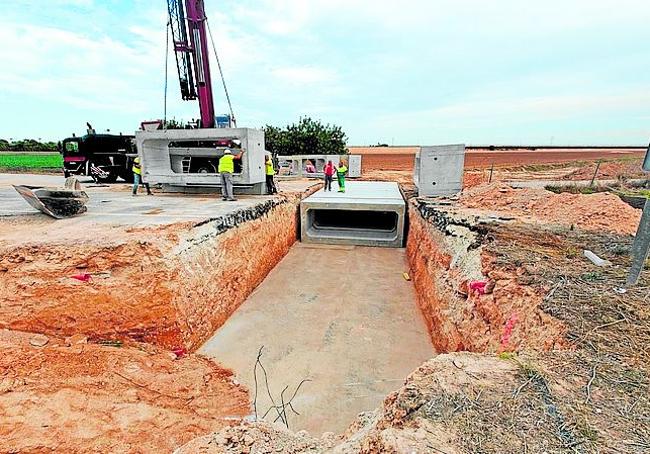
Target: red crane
188 26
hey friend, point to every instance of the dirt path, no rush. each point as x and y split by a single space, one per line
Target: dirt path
350 324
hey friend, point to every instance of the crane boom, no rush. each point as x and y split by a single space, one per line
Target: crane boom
187 21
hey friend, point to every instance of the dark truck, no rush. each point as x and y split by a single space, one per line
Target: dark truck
105 157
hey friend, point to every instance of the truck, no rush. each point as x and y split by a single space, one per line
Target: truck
104 157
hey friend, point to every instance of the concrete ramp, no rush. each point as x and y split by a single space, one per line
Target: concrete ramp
369 213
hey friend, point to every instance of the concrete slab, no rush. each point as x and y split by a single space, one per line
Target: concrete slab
439 170
349 323
369 213
113 204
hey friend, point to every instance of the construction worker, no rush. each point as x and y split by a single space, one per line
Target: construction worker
329 171
137 177
226 169
341 170
270 171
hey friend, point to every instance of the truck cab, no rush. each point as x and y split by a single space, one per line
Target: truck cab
105 157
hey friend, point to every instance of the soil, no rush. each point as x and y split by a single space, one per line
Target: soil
596 212
462 319
161 285
561 363
609 171
73 396
403 158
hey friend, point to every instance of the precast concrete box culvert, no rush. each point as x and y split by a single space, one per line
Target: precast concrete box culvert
367 214
187 160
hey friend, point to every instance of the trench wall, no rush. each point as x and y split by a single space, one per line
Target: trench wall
445 255
171 286
217 271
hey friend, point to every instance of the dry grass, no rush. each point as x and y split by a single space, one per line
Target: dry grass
602 383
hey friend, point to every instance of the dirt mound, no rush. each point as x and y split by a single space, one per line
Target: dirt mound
595 212
78 397
258 438
609 171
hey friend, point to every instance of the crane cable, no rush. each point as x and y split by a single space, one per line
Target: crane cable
164 125
223 80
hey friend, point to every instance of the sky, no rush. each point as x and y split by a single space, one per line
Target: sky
403 72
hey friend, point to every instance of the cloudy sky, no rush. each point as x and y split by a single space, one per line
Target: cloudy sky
402 72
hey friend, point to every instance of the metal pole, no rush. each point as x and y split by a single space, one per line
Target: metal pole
491 172
593 179
640 247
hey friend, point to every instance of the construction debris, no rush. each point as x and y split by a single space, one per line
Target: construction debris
54 201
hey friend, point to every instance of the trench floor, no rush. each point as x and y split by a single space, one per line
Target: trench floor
342 316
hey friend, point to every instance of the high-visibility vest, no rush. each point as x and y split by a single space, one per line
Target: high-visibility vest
136 166
269 168
341 170
227 164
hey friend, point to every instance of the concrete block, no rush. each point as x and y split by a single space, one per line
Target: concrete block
368 214
439 170
295 166
187 159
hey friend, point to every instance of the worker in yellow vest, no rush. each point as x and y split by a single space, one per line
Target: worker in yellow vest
226 169
137 177
341 170
270 171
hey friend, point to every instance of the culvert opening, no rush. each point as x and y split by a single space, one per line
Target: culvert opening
354 220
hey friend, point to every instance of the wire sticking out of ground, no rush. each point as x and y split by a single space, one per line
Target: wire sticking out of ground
281 409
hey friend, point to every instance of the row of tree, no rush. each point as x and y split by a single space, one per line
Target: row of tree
26 145
306 137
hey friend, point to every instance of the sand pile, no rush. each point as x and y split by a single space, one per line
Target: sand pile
595 212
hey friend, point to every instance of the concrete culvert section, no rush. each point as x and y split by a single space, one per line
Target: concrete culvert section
368 214
341 316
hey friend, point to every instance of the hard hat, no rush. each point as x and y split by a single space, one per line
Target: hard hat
227 151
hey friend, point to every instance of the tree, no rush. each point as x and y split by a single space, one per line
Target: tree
306 137
26 145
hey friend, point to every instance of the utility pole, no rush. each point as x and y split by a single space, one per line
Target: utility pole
641 244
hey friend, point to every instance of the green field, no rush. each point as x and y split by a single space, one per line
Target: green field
31 161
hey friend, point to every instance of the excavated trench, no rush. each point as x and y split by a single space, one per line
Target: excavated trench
342 317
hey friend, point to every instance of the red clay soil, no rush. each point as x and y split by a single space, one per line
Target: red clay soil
593 212
404 158
75 397
212 281
459 319
160 285
609 171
